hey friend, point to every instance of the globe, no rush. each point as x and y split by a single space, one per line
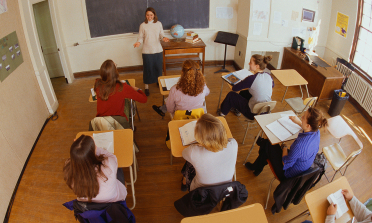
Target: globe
177 31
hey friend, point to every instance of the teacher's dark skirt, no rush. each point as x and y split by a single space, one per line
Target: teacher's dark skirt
152 67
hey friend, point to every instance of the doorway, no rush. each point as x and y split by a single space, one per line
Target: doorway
47 39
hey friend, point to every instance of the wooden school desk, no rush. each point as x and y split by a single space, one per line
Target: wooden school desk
249 214
175 138
322 81
290 78
181 47
165 92
317 201
266 119
123 150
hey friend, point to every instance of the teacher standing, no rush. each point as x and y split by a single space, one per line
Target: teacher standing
150 34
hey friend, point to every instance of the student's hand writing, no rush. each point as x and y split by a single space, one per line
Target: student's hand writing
165 39
137 44
348 196
332 209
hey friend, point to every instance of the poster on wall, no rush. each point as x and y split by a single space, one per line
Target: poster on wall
342 23
3 6
10 54
261 10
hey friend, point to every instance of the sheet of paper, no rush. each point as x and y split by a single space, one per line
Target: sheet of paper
295 31
289 125
187 133
338 198
224 12
104 140
261 10
242 74
277 17
278 130
257 29
162 82
294 15
285 23
169 82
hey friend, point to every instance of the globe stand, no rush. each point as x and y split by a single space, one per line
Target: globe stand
178 40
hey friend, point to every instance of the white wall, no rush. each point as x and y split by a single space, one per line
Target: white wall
274 37
90 53
338 46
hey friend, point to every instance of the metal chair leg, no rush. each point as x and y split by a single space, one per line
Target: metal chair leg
132 185
302 94
246 130
255 140
284 94
268 194
139 119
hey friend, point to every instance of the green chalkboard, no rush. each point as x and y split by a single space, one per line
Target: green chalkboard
10 55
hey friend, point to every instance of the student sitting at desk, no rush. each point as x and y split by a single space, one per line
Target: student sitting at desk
288 163
111 94
360 211
189 93
260 89
92 173
211 161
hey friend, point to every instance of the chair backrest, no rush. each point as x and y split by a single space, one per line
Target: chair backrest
263 107
309 102
339 128
186 114
105 123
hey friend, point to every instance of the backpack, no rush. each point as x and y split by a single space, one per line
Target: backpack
320 161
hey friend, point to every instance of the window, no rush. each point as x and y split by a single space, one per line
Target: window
361 55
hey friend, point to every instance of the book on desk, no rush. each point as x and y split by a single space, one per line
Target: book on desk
168 83
187 133
338 198
283 128
237 76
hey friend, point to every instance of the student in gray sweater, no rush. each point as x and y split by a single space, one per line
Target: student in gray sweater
360 211
260 86
212 160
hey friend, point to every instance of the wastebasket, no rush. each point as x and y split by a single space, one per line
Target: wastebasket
338 102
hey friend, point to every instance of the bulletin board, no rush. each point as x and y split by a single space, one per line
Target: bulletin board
10 55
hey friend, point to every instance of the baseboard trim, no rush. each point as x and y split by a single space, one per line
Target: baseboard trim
7 215
140 68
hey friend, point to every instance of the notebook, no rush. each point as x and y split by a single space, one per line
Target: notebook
170 82
104 140
187 133
283 128
237 76
338 198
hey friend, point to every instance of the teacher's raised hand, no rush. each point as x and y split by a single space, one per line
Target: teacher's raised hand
137 44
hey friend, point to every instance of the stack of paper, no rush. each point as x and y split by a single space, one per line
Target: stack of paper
187 133
104 140
338 198
170 82
283 128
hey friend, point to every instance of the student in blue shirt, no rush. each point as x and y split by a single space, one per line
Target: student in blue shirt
288 163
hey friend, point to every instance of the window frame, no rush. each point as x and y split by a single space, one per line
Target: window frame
358 70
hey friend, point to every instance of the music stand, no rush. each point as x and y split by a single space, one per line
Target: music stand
227 39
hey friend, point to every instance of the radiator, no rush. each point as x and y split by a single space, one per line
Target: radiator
360 90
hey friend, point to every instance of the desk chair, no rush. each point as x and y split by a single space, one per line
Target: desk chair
334 153
298 105
258 109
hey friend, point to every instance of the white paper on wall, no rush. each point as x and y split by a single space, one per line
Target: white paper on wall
285 23
257 29
3 6
224 12
261 10
277 17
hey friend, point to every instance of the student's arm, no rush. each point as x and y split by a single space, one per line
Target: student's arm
292 155
360 211
296 120
331 213
206 89
246 83
171 103
187 153
130 92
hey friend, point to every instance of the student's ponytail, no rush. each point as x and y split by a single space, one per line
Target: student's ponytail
316 119
262 61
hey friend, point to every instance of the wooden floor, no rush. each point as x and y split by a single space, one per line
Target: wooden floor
42 190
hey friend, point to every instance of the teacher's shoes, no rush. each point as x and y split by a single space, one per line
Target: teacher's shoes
147 92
